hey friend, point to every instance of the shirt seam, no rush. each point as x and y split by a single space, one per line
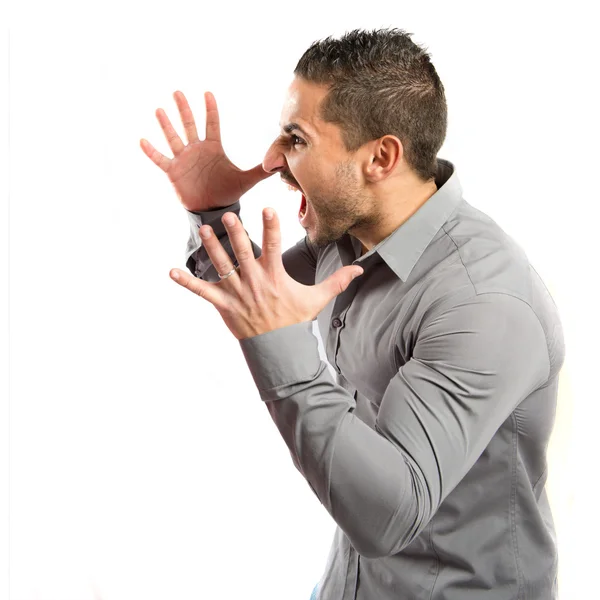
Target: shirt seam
506 294
513 506
397 328
544 472
330 465
396 331
437 559
460 257
538 321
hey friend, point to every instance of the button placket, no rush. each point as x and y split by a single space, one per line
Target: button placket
341 306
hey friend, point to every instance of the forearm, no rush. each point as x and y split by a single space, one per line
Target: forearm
197 260
436 417
299 261
366 484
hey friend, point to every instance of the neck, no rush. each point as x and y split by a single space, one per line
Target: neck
391 210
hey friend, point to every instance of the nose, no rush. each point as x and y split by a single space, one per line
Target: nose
274 159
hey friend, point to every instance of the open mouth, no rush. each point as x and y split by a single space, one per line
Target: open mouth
302 210
294 188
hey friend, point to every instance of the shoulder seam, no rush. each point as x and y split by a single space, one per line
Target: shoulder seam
459 256
536 317
506 294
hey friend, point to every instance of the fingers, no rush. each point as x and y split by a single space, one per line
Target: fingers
241 244
204 289
213 130
271 245
337 283
213 127
155 156
173 138
187 118
217 254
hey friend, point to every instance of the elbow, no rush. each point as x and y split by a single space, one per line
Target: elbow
372 551
381 547
383 510
391 537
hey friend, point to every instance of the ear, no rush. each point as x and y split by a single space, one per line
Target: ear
384 156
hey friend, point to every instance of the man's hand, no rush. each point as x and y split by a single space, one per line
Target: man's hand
201 173
260 296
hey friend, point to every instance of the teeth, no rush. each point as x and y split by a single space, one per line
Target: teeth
292 188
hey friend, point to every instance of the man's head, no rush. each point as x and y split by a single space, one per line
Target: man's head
364 116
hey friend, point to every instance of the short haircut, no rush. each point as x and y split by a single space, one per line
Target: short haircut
380 83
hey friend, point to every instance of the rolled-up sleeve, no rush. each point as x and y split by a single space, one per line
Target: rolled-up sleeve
471 365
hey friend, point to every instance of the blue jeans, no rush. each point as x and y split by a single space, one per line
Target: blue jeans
313 596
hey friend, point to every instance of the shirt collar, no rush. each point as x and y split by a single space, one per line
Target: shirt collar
403 247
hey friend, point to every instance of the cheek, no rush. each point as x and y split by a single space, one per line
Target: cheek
316 175
303 171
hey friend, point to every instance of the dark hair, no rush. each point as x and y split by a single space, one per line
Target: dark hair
380 82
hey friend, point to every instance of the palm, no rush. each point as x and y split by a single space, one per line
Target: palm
202 175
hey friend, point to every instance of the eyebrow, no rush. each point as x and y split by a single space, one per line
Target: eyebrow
294 126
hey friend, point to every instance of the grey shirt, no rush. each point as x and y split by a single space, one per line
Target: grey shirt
428 448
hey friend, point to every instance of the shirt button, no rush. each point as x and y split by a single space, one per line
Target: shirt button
336 322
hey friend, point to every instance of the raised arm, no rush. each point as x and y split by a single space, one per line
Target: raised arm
300 260
208 185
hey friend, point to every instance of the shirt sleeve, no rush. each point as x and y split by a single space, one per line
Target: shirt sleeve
300 261
472 363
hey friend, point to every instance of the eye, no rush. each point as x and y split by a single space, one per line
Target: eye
295 140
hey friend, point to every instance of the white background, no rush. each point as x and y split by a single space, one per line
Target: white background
142 463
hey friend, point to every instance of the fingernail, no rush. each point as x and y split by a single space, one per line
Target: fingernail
268 215
229 219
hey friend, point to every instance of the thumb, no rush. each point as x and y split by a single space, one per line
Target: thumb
337 283
255 175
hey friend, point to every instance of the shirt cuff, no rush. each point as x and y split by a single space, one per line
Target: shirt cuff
283 361
213 217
